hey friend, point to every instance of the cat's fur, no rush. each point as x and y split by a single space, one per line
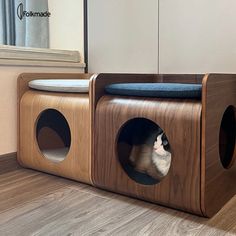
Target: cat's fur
153 160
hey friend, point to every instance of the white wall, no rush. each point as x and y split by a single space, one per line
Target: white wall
123 36
197 36
66 24
8 102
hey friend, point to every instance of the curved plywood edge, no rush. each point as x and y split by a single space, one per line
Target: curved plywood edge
92 123
217 183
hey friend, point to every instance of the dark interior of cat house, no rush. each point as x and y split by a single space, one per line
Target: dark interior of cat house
135 148
228 138
53 135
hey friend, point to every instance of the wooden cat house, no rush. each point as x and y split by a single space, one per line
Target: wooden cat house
201 130
54 124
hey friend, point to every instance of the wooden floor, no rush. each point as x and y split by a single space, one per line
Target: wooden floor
33 203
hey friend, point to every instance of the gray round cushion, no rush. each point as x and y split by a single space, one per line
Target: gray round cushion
159 90
65 86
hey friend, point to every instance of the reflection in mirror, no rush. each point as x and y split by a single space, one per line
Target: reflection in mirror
41 23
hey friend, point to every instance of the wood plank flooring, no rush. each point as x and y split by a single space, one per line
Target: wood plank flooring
33 203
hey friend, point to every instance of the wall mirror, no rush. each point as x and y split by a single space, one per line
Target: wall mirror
42 26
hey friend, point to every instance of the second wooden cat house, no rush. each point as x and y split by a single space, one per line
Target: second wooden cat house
199 123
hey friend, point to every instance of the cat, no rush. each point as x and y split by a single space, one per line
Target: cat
153 160
161 156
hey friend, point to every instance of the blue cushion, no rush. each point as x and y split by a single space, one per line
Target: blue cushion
159 90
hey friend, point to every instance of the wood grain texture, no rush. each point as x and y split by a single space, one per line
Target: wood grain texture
75 108
25 78
218 94
180 120
218 184
34 203
99 81
181 78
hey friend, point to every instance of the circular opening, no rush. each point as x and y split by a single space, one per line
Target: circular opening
144 151
227 138
53 135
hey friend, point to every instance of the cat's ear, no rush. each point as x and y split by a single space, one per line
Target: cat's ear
158 138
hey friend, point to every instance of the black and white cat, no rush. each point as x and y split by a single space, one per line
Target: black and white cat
153 160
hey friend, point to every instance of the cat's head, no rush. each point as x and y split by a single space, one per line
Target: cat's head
161 144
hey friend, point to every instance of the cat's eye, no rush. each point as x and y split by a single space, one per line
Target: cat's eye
165 142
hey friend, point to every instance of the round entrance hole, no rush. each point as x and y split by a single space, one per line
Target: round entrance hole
143 151
227 138
53 135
